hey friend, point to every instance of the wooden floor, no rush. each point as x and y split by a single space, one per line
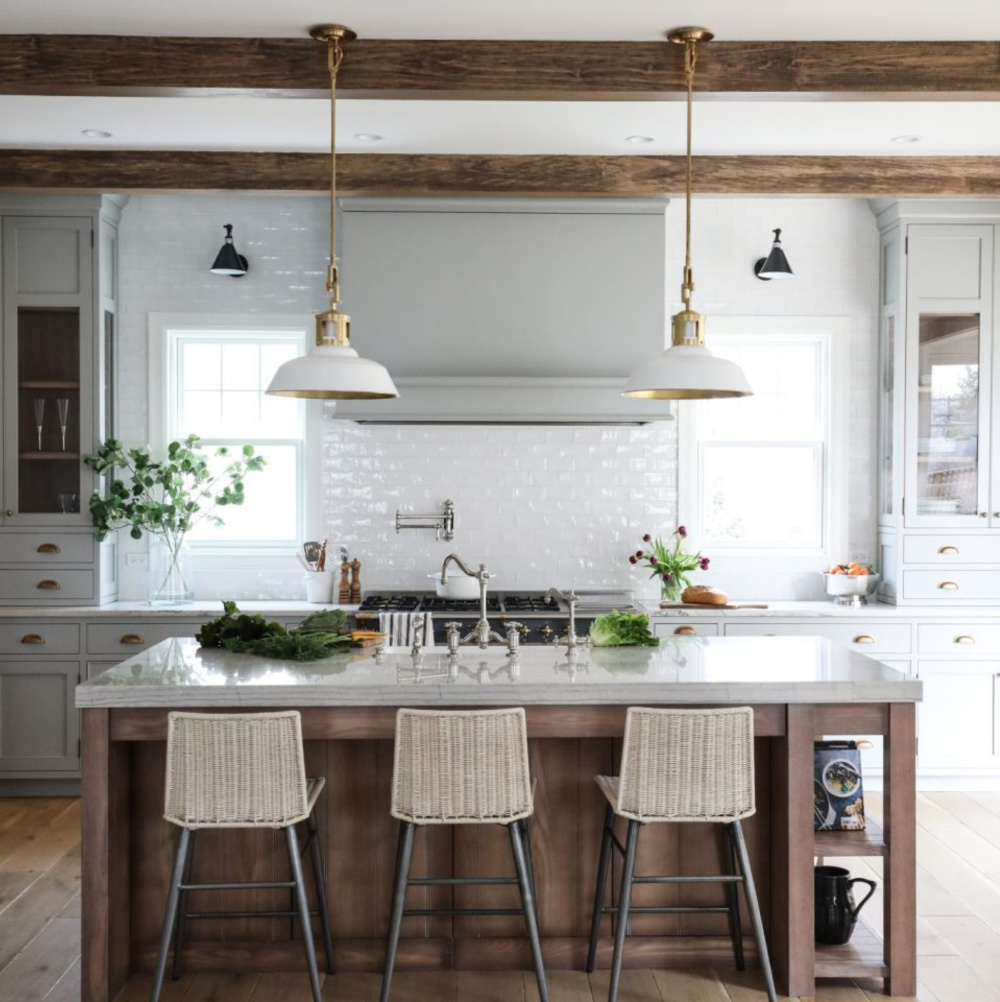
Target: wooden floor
958 904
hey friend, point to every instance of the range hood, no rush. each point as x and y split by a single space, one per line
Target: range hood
505 311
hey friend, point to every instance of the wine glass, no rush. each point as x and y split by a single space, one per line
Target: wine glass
39 405
67 503
62 405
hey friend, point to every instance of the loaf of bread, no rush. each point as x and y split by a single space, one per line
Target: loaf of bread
704 595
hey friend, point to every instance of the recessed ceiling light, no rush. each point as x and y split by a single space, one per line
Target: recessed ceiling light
906 139
638 139
96 134
367 137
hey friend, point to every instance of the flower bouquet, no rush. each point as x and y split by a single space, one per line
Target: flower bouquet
669 562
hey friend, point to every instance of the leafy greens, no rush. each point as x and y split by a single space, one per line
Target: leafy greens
622 629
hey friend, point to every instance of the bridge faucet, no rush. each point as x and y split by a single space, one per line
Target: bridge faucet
570 598
481 633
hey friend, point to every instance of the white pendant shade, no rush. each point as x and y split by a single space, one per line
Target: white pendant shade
332 372
686 372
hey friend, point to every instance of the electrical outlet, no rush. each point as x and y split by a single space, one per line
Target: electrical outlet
136 561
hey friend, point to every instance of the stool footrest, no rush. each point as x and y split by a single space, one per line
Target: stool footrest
248 885
668 910
427 912
688 880
457 881
247 915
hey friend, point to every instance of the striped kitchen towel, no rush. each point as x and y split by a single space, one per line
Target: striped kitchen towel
399 627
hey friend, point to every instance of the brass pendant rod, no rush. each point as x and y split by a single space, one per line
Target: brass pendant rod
335 55
690 61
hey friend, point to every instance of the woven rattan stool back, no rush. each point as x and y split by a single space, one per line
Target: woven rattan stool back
235 770
461 767
687 765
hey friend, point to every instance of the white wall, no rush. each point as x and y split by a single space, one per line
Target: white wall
540 505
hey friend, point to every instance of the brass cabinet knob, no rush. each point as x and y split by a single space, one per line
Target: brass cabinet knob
131 638
948 586
984 514
964 639
48 585
863 638
9 513
32 638
948 549
685 631
996 514
48 548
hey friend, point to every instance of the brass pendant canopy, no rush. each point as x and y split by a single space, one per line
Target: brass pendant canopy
333 370
687 370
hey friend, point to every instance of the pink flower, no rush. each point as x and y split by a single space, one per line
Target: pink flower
681 531
647 538
633 560
704 563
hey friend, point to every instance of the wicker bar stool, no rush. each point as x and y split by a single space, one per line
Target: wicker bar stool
462 767
240 770
681 765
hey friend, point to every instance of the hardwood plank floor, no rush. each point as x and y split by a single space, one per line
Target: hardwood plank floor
958 904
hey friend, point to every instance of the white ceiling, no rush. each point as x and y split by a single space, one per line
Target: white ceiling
535 19
721 127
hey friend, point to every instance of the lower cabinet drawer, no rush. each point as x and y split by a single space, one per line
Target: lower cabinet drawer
867 637
47 548
127 639
46 584
958 638
675 629
951 550
952 585
39 638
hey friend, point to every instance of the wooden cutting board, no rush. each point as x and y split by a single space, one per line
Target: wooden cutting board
709 608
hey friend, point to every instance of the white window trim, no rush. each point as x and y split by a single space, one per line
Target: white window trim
233 555
835 487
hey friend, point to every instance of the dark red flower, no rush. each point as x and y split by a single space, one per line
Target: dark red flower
647 538
638 553
704 563
681 531
668 576
653 561
633 560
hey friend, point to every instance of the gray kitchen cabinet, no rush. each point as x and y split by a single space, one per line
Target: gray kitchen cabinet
39 723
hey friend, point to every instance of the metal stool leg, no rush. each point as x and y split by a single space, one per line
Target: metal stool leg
528 903
530 861
322 902
602 882
302 904
404 852
182 907
754 906
624 901
733 898
170 917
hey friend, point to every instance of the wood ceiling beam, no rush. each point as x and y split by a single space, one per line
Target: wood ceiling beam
566 176
387 68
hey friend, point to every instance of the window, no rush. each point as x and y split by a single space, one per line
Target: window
756 472
208 377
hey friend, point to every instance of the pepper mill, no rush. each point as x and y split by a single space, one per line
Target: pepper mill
355 582
344 594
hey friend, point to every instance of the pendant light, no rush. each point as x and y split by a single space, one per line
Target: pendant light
333 370
687 370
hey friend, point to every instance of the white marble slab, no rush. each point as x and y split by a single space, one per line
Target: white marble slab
143 610
722 670
826 610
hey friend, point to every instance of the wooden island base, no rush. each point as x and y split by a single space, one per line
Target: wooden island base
128 852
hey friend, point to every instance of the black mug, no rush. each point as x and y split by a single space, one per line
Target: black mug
836 912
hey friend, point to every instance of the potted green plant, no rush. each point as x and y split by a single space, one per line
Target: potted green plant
669 562
166 499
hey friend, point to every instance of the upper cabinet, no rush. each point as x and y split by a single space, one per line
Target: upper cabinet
58 261
939 437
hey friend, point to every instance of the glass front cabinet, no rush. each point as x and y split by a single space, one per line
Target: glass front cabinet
939 406
58 296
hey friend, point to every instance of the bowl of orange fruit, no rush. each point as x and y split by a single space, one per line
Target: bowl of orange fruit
853 581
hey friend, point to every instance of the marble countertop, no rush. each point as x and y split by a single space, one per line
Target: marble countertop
720 670
822 610
143 610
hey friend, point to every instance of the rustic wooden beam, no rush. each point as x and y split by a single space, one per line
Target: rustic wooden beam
409 69
382 174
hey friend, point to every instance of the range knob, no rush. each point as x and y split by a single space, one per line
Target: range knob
524 630
547 634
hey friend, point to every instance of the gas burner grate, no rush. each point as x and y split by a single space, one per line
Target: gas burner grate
434 604
529 603
390 603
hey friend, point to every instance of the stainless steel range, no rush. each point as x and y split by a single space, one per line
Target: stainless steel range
543 619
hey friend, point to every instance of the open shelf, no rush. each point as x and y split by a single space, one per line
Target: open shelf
48 384
870 842
862 957
49 455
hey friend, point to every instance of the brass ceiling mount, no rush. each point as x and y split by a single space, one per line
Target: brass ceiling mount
327 33
690 33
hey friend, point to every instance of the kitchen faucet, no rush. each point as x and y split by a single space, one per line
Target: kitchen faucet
481 633
570 598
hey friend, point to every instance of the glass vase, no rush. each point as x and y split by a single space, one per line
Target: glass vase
670 591
171 578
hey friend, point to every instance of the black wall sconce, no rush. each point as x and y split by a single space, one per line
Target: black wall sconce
775 265
227 261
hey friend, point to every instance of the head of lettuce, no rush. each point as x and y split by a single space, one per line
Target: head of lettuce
622 629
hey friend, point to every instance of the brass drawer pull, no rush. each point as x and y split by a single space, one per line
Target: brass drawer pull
948 586
948 549
863 638
32 638
48 548
48 585
964 639
131 638
685 631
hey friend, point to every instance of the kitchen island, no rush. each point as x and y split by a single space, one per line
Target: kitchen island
800 687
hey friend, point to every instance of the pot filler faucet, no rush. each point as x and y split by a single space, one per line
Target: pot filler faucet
480 634
571 640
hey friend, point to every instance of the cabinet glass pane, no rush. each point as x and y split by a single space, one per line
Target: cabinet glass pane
948 414
888 412
48 409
